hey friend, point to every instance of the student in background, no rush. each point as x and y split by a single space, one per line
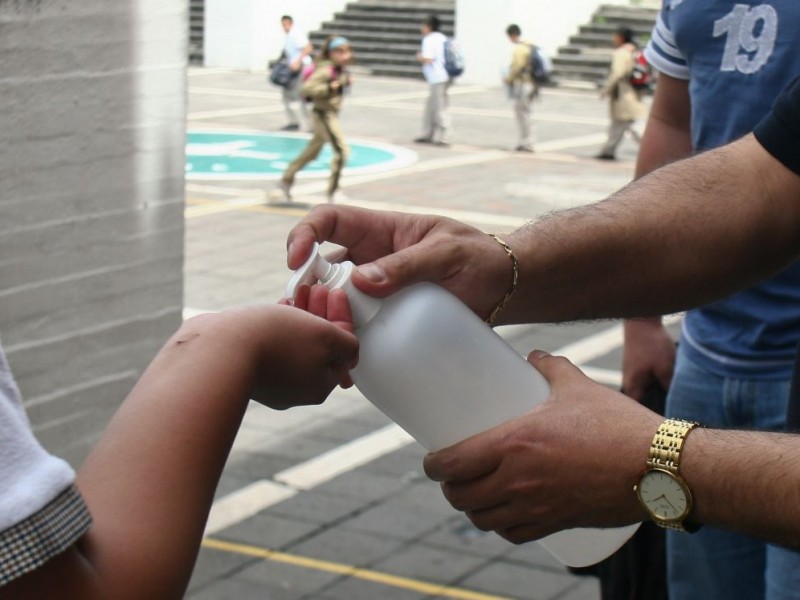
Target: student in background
624 102
296 52
521 86
435 122
325 88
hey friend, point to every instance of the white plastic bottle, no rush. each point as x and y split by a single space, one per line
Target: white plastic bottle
439 372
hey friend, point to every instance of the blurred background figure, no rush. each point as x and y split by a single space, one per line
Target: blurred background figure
436 122
296 52
521 87
625 104
324 87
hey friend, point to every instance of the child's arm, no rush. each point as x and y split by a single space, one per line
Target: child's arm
150 481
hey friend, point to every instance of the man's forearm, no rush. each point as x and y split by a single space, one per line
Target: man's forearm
690 233
746 481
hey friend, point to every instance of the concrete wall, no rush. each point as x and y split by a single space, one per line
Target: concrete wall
480 29
91 202
246 34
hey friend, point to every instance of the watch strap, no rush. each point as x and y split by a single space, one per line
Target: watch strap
667 445
665 454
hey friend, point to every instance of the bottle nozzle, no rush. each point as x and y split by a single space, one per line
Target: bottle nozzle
317 269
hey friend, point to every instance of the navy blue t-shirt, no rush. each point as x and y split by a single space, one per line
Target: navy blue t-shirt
737 57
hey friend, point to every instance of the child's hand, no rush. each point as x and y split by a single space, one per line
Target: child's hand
307 352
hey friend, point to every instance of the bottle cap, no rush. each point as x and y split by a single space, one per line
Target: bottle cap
333 276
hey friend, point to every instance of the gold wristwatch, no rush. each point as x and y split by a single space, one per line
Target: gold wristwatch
664 494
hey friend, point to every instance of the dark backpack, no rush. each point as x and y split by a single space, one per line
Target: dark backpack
642 73
539 65
453 58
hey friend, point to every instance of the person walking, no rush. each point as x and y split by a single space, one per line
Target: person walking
325 88
297 53
521 86
436 121
625 103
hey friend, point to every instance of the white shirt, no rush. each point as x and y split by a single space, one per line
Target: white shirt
296 41
30 476
433 48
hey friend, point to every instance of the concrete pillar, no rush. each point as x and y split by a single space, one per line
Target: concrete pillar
91 203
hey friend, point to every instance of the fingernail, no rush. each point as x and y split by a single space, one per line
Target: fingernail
538 354
289 250
372 272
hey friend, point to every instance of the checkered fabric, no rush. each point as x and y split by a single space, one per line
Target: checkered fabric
32 542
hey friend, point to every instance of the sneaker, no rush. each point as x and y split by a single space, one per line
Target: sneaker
336 196
441 144
285 189
423 140
290 127
522 148
605 157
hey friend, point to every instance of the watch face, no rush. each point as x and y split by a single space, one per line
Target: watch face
665 496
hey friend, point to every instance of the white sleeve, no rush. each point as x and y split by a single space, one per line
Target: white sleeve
41 512
31 476
663 53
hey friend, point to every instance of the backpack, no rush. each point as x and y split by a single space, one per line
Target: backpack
642 73
539 65
305 74
453 58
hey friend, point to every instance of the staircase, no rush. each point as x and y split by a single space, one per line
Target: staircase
196 27
385 35
586 58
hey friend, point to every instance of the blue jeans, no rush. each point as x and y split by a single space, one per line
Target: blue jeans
713 563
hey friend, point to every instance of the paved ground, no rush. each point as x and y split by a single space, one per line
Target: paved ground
330 502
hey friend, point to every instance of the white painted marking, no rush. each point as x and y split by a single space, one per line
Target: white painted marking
245 503
345 458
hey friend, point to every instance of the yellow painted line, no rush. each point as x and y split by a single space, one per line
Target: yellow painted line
386 579
202 208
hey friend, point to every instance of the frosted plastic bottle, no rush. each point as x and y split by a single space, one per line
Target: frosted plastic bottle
439 372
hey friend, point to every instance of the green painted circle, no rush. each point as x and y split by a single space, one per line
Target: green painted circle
238 155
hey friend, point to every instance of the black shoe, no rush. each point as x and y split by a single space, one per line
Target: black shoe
524 148
291 127
423 140
605 157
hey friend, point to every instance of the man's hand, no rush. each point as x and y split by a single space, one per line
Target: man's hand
648 357
570 462
394 250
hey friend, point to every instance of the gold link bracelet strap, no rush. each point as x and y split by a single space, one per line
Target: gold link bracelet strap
514 280
665 451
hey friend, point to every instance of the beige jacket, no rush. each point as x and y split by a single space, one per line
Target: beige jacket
520 57
625 101
317 87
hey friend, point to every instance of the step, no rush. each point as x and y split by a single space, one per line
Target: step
318 38
608 29
373 15
410 28
429 7
388 58
583 60
396 71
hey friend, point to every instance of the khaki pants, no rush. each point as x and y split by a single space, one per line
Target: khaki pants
615 133
523 94
436 122
326 129
292 99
